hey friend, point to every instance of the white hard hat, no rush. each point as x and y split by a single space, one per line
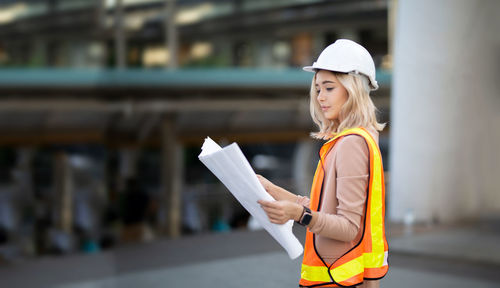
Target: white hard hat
346 56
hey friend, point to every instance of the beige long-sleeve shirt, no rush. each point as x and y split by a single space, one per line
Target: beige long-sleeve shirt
338 226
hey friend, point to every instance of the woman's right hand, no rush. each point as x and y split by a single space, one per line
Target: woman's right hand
268 185
277 192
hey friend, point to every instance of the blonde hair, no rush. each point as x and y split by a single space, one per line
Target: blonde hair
357 111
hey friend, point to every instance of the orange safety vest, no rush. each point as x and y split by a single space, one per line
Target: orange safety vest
368 258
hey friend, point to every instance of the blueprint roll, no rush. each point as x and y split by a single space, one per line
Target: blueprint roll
231 167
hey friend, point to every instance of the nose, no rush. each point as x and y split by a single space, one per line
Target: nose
320 96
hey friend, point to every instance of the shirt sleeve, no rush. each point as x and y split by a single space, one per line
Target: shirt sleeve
352 173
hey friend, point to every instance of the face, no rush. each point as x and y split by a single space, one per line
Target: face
331 94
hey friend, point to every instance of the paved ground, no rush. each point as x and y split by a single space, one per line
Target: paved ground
473 243
271 270
437 257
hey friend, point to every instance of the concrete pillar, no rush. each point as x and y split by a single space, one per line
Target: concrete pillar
445 111
63 182
351 34
38 55
264 53
172 178
302 45
120 41
128 166
23 171
100 14
304 166
391 26
171 36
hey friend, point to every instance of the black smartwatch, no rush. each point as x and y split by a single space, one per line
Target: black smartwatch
306 217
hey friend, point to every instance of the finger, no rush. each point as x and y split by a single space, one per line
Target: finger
264 203
275 213
272 211
274 218
278 221
274 221
261 177
269 205
273 204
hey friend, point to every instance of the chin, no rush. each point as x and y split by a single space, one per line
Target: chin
330 118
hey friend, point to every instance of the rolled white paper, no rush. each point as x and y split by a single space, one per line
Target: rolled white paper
231 167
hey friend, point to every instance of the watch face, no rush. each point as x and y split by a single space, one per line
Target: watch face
306 219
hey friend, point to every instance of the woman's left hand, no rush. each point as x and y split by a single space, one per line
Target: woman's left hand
279 212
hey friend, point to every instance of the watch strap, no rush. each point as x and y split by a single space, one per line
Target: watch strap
306 216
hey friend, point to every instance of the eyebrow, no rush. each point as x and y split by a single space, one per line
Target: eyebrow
326 82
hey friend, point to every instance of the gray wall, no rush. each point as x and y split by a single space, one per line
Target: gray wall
445 158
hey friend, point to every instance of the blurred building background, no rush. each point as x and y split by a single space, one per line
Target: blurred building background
104 105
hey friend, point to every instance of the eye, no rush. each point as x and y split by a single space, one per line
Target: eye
329 89
317 91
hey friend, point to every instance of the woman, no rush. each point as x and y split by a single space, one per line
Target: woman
345 242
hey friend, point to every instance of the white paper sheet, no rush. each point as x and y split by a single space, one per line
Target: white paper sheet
233 170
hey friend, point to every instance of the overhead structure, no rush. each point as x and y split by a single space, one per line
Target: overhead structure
128 106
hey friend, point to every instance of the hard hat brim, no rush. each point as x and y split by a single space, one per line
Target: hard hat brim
314 68
310 69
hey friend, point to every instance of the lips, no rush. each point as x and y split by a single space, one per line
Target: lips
325 108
